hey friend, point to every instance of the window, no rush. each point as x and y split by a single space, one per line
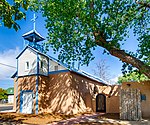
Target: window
27 65
56 68
41 64
143 97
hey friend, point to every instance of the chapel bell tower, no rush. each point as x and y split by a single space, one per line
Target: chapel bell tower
33 37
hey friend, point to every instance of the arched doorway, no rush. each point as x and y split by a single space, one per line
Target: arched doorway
100 103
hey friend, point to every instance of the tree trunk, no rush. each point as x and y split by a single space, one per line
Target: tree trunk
124 57
121 54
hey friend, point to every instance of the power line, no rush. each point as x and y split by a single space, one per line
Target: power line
7 65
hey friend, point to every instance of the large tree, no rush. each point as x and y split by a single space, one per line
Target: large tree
76 27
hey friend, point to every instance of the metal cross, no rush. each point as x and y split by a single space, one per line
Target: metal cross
34 19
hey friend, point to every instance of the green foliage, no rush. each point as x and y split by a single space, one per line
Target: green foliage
144 48
3 94
73 24
133 76
10 13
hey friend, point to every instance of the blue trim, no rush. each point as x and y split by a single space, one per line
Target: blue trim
21 52
21 101
21 98
17 86
14 75
17 70
37 82
32 49
59 71
32 75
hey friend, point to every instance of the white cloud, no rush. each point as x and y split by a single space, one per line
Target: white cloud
115 79
8 58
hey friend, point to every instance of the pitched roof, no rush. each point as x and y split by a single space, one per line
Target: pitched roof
88 75
14 75
31 35
31 48
83 73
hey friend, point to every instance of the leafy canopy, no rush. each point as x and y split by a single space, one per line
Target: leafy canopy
74 24
76 27
133 76
10 13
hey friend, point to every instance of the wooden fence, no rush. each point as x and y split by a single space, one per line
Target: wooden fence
130 104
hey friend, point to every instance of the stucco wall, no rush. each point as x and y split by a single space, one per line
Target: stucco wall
85 87
55 94
25 83
67 93
144 87
112 97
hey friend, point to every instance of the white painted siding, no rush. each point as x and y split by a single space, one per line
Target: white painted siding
43 65
10 98
27 56
52 65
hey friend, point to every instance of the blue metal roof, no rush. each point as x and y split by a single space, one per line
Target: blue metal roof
33 36
83 73
14 75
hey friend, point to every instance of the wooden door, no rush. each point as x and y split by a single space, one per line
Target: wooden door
100 103
130 104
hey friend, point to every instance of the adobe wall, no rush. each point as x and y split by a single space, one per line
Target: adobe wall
112 97
55 94
25 83
145 89
85 88
66 93
71 93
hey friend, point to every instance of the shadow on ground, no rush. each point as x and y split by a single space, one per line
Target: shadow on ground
44 118
60 119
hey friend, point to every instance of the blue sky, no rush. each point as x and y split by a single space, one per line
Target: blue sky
12 43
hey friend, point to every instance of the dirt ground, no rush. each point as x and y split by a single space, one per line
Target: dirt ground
31 118
57 119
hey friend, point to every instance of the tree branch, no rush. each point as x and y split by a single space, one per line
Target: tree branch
143 4
121 54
